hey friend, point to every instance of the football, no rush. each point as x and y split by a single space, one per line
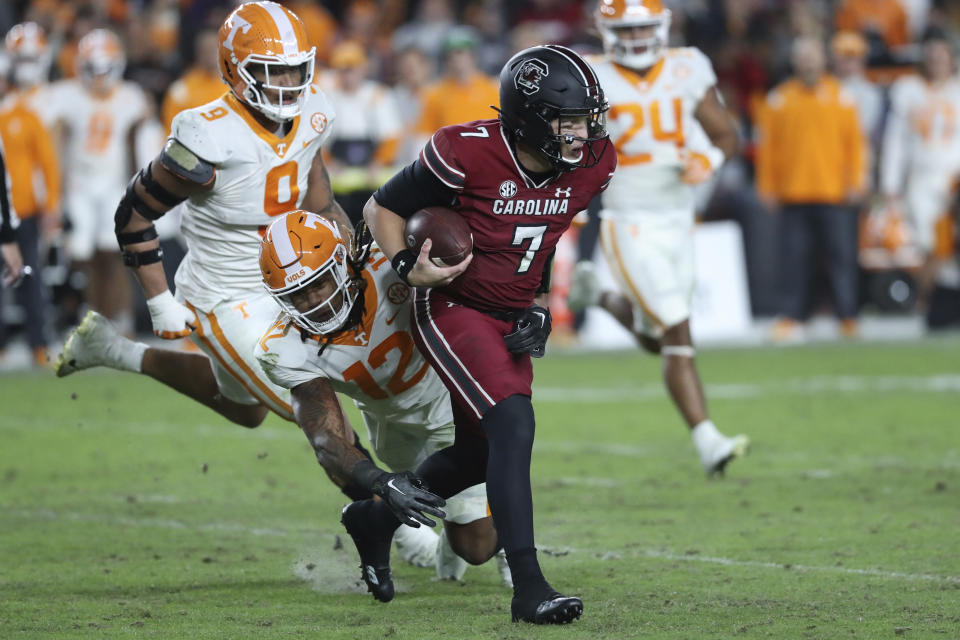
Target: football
452 240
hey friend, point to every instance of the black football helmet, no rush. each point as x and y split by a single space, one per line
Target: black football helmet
545 83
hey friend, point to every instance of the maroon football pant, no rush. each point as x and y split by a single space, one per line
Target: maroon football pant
466 348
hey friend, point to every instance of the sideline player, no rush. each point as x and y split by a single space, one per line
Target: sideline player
345 328
98 113
236 163
518 181
921 152
660 99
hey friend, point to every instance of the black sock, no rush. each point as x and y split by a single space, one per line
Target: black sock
451 470
510 427
528 579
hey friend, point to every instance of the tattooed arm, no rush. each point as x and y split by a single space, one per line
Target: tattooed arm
320 416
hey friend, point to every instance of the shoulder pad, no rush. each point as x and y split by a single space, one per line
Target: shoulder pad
185 164
201 135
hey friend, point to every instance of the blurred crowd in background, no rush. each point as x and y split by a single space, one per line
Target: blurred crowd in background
396 70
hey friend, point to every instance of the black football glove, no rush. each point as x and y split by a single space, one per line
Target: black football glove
406 495
530 332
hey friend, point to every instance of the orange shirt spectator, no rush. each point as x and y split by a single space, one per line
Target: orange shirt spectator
202 82
29 154
809 147
320 25
887 18
464 93
454 100
195 88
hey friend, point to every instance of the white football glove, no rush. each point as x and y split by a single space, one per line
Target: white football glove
171 320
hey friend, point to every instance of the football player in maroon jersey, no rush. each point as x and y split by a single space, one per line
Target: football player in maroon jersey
518 181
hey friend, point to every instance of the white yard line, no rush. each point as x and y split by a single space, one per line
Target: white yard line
941 383
236 527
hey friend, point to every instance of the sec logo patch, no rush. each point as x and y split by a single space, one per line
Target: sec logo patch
319 122
508 189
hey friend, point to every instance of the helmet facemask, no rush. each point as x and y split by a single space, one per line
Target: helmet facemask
101 73
329 311
289 99
550 121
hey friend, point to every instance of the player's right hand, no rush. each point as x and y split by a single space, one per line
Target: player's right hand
406 495
170 319
426 274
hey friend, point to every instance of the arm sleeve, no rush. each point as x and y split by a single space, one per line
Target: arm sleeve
8 217
412 189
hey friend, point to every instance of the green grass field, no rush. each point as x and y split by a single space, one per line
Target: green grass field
128 511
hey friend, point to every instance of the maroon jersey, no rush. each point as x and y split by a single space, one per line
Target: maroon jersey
515 223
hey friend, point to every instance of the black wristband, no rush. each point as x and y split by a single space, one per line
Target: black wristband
403 262
366 474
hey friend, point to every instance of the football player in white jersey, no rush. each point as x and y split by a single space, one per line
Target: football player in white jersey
345 327
98 113
921 148
236 163
671 132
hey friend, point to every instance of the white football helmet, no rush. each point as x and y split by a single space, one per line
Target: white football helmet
614 15
100 59
27 47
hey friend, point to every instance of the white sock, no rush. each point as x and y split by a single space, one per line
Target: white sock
128 355
704 435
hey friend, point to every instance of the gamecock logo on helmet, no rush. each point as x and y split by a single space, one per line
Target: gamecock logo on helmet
530 74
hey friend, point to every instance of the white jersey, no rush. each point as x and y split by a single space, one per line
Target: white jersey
377 364
652 125
97 158
258 176
922 137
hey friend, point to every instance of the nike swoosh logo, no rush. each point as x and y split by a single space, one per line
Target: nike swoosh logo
394 487
390 320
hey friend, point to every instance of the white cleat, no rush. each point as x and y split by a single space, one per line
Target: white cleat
416 546
504 568
450 566
724 450
96 342
585 288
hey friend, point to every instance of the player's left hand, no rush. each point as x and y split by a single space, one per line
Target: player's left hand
170 319
426 274
12 262
530 332
409 499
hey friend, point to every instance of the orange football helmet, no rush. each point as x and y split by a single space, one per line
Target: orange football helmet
304 261
616 18
100 59
269 40
27 46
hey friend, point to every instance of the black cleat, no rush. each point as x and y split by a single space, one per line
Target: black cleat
556 609
374 550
